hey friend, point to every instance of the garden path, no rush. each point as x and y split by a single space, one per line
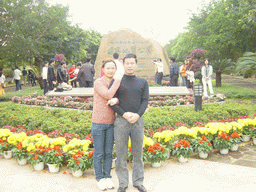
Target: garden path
197 174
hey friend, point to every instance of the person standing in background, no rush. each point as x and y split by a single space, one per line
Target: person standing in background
51 76
71 74
190 71
89 71
44 76
159 69
206 72
2 80
24 75
183 73
17 74
120 68
174 72
62 73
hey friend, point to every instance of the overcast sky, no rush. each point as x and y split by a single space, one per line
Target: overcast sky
161 20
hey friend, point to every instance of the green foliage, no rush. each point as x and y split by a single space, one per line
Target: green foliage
202 145
246 65
68 121
20 154
41 31
169 116
235 92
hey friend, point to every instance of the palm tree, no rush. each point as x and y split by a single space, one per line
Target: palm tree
222 66
246 64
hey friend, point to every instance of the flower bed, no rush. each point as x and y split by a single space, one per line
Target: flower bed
87 104
77 154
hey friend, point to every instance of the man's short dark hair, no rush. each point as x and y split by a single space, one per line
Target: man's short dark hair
16 67
79 64
44 63
128 56
115 55
51 61
172 58
88 60
62 62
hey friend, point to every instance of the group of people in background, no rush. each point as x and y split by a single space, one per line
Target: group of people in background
186 72
79 75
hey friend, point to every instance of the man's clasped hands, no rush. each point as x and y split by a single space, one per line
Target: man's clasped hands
129 116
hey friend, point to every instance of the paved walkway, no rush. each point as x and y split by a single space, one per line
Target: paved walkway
235 171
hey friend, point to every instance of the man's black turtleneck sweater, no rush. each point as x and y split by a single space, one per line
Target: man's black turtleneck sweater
133 95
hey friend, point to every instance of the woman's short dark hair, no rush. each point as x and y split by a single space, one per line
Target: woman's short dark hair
128 56
62 62
107 61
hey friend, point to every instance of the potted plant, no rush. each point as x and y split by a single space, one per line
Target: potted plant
223 143
235 140
53 158
156 153
182 150
21 154
203 146
253 135
6 148
36 158
77 162
247 125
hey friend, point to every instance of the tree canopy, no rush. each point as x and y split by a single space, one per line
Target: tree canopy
225 28
32 31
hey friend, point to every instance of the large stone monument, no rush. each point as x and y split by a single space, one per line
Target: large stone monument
126 41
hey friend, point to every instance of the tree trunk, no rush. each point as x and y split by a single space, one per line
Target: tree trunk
218 79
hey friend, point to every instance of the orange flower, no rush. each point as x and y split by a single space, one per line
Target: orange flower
74 157
90 154
19 146
209 143
77 162
31 152
204 138
40 147
201 141
80 152
35 158
154 152
130 149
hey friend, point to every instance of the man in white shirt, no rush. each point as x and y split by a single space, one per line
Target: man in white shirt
120 68
17 74
159 73
44 76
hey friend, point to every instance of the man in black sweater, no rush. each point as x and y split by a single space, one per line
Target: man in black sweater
133 95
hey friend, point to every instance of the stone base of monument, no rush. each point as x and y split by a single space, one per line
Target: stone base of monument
153 91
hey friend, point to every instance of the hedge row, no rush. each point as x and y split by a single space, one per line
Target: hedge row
72 121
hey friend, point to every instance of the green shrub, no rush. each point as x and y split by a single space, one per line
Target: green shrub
69 121
235 92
